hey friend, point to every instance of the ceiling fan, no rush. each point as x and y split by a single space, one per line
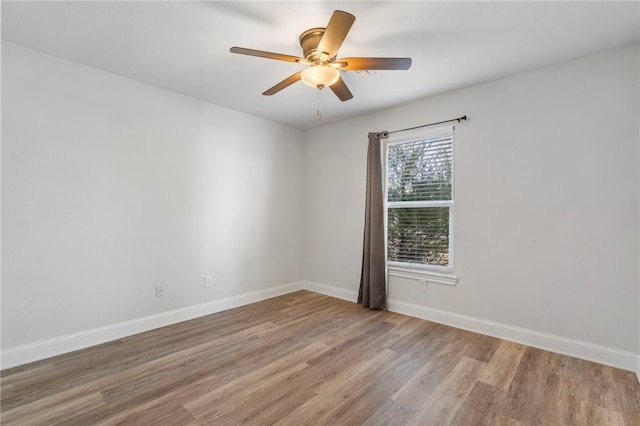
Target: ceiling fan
320 47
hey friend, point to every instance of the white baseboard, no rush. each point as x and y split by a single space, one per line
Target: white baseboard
588 351
20 355
51 347
338 293
562 345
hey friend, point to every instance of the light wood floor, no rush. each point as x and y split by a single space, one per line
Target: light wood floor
307 359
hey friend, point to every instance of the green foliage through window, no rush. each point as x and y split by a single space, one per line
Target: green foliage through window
420 195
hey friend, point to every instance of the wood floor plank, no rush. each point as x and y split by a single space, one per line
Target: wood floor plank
627 395
500 420
330 397
390 413
356 409
277 401
601 416
117 416
503 365
304 359
562 402
146 382
236 405
246 384
599 379
413 341
481 406
443 404
352 348
524 397
46 410
478 346
419 387
23 374
167 413
91 373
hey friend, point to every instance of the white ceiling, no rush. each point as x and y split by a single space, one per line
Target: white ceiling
184 46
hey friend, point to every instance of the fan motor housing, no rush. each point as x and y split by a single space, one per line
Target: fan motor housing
309 41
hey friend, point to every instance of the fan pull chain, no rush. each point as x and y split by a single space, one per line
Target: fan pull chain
318 113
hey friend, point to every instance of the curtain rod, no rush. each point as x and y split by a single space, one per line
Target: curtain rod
459 119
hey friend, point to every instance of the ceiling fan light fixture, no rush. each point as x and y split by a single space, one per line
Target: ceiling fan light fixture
320 76
320 49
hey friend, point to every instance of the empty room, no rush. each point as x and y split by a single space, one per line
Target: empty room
320 212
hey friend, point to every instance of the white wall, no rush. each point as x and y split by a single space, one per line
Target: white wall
546 213
110 187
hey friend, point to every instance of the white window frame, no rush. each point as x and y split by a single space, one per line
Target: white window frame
420 272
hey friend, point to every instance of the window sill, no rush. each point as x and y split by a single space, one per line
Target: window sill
422 275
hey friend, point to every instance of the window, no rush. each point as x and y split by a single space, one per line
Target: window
420 202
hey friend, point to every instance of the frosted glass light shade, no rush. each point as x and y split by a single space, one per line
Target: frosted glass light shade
320 76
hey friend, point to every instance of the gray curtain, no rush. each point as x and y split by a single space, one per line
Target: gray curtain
373 281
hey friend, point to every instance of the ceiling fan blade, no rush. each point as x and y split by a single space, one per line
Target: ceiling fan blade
335 33
375 63
269 55
284 83
341 90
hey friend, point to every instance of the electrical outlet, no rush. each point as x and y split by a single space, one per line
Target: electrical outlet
159 290
208 281
423 285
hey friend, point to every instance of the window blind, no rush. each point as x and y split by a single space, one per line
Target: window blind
419 200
